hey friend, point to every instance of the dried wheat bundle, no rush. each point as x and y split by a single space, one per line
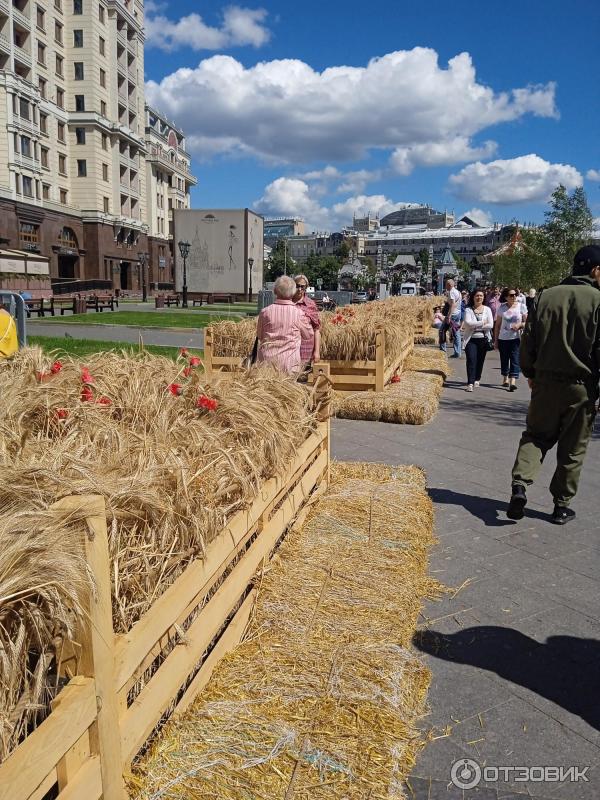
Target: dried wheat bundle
322 698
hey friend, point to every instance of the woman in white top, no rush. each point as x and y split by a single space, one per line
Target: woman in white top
510 321
477 326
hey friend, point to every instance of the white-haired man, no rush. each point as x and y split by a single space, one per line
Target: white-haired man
281 328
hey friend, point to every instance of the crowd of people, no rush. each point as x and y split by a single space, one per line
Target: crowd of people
487 319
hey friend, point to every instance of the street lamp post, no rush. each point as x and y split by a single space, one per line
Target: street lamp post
142 261
250 265
184 249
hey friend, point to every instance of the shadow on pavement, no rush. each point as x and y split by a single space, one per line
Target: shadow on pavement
563 670
488 511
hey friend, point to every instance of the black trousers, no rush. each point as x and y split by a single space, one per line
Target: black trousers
475 351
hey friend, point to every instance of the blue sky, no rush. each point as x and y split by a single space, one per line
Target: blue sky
325 108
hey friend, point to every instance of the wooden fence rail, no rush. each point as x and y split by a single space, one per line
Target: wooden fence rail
127 684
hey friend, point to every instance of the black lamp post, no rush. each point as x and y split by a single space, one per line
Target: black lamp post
250 265
142 261
184 249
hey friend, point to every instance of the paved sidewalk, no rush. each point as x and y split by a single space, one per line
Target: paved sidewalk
515 651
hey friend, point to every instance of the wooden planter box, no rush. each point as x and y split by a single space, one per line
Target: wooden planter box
365 376
105 715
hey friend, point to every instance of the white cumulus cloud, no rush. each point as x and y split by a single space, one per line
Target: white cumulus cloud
294 197
434 154
285 111
516 180
479 216
239 27
593 174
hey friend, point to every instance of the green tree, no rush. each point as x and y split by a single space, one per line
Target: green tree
343 251
568 225
276 263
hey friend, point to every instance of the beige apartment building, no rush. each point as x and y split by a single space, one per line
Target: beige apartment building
73 170
168 183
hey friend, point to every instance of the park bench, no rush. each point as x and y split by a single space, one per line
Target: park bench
212 297
101 301
172 300
36 306
62 304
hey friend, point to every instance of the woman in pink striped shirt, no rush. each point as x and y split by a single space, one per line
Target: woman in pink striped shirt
281 328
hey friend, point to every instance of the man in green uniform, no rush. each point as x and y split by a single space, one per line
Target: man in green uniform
560 355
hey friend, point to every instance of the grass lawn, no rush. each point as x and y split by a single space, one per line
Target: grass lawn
84 347
143 319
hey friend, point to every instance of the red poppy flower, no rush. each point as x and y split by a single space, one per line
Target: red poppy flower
86 394
187 372
194 361
86 376
207 402
395 379
104 401
56 367
176 389
62 413
183 352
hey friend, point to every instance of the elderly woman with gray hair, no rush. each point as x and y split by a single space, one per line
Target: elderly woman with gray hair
282 327
309 349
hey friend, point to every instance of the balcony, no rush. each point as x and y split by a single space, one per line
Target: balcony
26 125
27 161
4 7
20 19
4 44
22 56
122 37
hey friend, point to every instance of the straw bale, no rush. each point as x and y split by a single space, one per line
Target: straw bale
322 698
171 474
414 400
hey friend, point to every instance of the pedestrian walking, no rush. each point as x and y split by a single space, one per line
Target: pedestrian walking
477 327
493 301
561 360
453 318
530 300
510 322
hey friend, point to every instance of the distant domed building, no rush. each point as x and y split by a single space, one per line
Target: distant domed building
418 215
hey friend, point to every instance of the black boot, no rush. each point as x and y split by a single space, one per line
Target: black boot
561 515
518 501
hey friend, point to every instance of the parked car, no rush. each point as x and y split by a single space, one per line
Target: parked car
360 297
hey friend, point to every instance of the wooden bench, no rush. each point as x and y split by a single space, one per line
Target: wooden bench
64 303
36 306
172 300
101 301
212 297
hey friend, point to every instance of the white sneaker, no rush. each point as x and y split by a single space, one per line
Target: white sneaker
469 388
477 384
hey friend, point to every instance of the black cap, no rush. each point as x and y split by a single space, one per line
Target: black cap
586 259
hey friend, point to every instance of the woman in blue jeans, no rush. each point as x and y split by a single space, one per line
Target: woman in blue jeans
510 321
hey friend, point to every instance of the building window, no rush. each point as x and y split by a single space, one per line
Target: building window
27 186
60 97
23 108
106 205
102 46
104 172
59 66
62 164
103 108
63 196
101 13
29 234
78 38
46 191
58 5
80 135
61 131
103 78
78 68
67 238
44 157
42 87
44 123
79 102
58 33
26 146
40 18
81 168
104 141
78 6
41 54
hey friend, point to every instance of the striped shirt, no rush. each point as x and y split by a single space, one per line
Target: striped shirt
312 312
281 328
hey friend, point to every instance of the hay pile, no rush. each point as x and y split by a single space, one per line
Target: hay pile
321 699
174 456
412 400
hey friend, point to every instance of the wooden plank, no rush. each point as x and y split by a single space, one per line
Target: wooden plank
132 649
367 380
97 647
87 783
72 761
144 713
43 789
349 365
230 639
29 766
208 351
380 359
